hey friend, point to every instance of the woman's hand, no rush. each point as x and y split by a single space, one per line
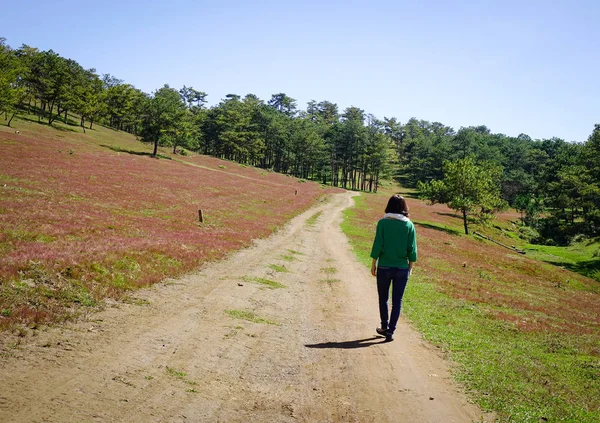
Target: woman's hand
374 267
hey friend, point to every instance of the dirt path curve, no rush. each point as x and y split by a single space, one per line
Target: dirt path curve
177 356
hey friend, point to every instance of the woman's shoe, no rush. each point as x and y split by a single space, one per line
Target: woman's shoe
382 332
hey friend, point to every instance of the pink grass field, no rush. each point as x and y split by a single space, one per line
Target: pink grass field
79 221
532 295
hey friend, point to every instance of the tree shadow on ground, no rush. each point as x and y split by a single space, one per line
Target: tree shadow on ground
442 228
411 195
63 128
34 120
136 153
589 268
348 345
44 121
454 215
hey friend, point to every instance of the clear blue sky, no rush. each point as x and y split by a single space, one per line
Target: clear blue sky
516 66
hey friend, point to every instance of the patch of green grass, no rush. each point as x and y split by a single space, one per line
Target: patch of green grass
262 281
180 375
330 280
360 238
120 281
128 264
249 316
294 252
278 268
328 270
313 219
441 265
583 258
484 275
286 257
165 264
175 373
80 294
22 235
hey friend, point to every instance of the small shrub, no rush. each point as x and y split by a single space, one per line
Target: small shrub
528 233
595 274
578 239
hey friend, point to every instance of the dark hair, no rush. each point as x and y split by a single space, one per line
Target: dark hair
397 204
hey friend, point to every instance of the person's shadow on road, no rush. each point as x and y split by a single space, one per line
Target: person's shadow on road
359 343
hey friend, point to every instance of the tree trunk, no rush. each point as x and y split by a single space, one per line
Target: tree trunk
91 123
465 221
11 118
50 120
155 148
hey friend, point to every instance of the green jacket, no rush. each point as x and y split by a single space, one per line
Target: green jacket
395 243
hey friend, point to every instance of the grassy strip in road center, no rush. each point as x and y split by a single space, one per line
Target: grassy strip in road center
250 316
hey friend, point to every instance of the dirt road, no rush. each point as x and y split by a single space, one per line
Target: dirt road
177 355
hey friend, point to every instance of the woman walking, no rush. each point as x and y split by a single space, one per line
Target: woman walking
394 252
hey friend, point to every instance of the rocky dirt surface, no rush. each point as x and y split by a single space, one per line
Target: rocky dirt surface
183 351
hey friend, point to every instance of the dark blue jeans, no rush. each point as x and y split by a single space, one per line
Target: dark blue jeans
398 278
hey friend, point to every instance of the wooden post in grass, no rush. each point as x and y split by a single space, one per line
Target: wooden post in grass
200 216
296 193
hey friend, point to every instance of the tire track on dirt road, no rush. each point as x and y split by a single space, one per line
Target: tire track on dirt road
177 355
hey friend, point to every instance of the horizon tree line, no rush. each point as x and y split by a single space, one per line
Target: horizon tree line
553 183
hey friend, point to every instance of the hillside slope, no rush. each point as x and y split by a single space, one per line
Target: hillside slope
89 216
